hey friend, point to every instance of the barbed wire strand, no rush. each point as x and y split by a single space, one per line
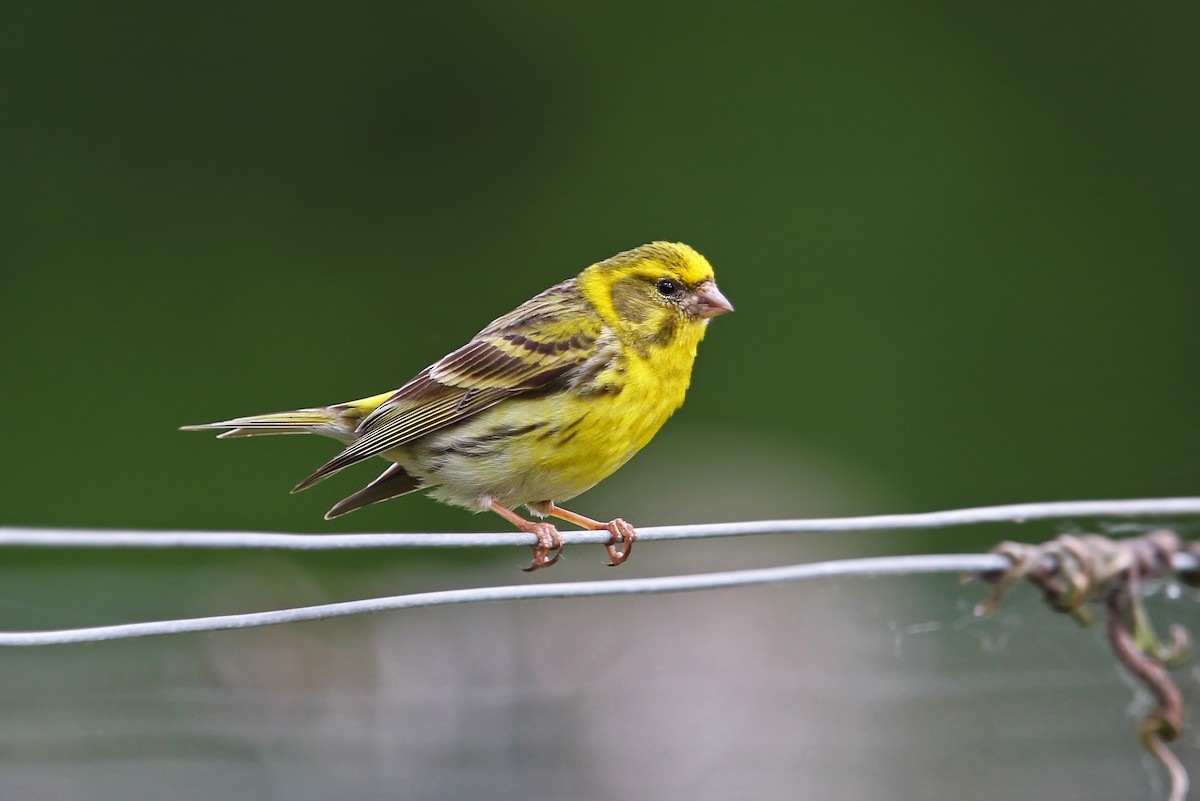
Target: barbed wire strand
12 536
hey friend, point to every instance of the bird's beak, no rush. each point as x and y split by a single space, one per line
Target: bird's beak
707 301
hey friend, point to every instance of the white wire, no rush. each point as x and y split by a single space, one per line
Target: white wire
876 566
873 566
1014 513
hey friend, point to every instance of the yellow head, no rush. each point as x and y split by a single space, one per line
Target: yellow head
659 294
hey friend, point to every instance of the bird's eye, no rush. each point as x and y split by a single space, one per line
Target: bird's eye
666 287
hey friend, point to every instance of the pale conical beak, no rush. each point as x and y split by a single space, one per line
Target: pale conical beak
707 301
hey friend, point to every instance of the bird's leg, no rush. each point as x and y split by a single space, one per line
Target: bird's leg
621 531
549 542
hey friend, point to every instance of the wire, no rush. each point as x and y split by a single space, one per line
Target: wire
875 566
867 567
1014 513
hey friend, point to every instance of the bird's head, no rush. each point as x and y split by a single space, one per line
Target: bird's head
660 294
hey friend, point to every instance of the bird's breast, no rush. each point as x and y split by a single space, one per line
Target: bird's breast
554 446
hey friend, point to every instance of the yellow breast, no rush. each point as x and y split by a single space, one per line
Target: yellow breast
556 446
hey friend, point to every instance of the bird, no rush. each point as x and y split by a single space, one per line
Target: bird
542 404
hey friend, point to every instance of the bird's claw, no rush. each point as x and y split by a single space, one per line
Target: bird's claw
549 546
621 532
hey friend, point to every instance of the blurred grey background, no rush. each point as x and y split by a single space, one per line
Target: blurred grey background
961 239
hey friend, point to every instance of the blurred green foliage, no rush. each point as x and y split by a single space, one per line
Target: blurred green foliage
961 238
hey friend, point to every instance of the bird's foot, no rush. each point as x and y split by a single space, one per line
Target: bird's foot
549 543
549 546
621 532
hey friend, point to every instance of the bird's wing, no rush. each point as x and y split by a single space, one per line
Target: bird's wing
529 349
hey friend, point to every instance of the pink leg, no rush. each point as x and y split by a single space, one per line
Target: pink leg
621 531
549 542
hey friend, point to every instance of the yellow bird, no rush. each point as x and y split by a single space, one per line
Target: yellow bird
542 404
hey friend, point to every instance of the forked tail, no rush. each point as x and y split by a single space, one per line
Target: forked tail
338 421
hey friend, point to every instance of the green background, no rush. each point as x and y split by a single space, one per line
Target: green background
961 239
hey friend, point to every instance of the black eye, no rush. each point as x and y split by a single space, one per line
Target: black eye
666 287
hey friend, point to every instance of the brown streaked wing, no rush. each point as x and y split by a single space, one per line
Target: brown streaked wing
541 341
407 421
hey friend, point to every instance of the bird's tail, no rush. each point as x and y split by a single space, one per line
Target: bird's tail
338 421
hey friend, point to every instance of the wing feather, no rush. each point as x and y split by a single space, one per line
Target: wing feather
540 342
